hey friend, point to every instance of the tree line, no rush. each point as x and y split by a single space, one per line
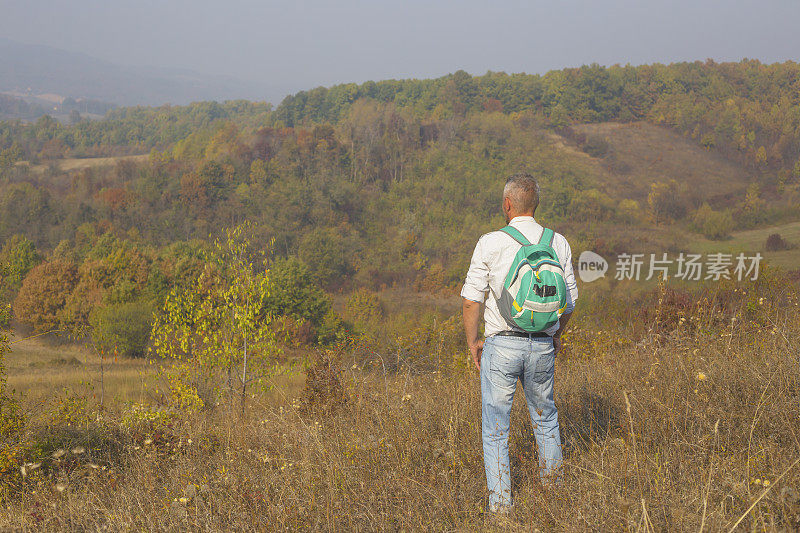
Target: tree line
366 185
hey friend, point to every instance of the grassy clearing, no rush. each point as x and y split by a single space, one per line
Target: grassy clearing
654 154
80 163
37 369
675 416
752 241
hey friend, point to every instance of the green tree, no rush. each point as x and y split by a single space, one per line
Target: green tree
293 292
713 224
17 257
326 253
219 322
122 328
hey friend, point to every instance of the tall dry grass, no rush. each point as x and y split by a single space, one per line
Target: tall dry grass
667 425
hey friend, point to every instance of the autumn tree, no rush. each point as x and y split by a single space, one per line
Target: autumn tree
40 301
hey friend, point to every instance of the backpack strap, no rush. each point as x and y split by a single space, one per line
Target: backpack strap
547 237
515 234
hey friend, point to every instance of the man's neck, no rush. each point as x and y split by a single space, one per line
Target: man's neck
520 217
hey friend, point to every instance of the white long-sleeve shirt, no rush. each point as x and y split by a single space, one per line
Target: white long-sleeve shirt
491 261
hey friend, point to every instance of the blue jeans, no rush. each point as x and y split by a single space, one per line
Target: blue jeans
532 361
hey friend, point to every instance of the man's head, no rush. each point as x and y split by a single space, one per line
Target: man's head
520 196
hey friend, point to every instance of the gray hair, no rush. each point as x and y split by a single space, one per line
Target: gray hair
523 191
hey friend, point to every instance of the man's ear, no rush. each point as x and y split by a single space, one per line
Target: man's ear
506 205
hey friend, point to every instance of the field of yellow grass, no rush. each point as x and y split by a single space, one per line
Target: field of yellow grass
652 153
38 369
80 163
679 412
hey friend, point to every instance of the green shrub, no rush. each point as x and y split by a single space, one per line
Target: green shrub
124 328
596 146
713 224
332 329
364 307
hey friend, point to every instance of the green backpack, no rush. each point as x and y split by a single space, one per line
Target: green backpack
534 293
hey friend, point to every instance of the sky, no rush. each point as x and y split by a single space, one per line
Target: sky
299 44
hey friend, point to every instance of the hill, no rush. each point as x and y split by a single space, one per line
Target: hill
31 70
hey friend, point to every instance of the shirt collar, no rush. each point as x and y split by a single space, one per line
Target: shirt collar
522 218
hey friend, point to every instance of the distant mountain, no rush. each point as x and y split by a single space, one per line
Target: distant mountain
34 70
11 107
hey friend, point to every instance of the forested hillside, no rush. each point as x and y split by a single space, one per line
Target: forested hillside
748 109
391 182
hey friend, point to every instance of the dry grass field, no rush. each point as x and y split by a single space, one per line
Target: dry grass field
752 241
79 163
37 369
679 412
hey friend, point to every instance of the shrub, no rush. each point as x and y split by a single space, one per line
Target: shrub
433 279
124 328
364 307
628 211
11 420
776 243
332 329
591 205
323 392
294 331
596 146
713 224
666 202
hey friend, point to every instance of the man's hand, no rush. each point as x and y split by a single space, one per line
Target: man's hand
562 325
556 344
476 350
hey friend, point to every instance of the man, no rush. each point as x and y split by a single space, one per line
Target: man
508 353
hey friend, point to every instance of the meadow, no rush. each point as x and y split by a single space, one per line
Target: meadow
753 240
679 412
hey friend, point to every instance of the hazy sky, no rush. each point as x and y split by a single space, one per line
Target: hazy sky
301 44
